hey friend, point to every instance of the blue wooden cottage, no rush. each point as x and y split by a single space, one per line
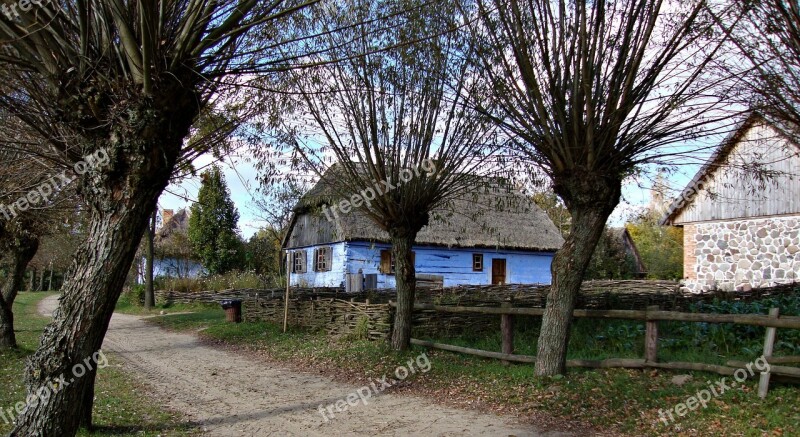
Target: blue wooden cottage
492 235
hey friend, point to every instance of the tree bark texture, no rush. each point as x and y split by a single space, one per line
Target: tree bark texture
22 251
143 143
406 282
590 198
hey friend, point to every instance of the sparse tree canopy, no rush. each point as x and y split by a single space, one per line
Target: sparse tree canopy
589 91
766 34
395 116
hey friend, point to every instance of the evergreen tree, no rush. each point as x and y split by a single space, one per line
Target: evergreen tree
212 225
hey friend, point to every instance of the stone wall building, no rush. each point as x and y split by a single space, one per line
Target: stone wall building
741 212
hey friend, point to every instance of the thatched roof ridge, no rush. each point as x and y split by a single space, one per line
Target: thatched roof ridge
491 215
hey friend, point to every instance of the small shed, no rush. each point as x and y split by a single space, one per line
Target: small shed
624 238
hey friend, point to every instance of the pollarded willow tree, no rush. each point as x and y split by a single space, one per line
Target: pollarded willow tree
766 34
32 207
389 129
589 91
127 79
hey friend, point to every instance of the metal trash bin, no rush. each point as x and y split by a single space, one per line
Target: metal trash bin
233 310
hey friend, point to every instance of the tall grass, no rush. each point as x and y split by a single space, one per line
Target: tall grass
231 280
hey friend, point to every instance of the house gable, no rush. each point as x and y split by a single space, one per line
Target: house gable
754 173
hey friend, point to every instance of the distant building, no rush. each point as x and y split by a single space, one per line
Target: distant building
624 238
173 252
489 236
742 227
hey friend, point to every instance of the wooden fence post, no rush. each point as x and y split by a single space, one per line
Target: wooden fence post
769 343
507 330
651 337
286 297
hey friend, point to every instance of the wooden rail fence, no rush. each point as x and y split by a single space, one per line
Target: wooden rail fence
652 316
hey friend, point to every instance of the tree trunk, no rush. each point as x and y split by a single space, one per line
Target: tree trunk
405 277
22 251
143 147
7 338
590 198
50 279
149 292
87 405
32 280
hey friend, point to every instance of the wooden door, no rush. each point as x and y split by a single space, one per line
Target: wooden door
498 271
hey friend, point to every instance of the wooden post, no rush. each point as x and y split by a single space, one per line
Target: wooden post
286 298
769 343
507 331
651 338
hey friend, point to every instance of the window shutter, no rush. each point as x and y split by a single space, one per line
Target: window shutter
413 258
303 261
386 262
328 258
314 261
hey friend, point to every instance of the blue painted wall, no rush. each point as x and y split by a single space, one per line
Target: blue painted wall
455 264
333 278
172 268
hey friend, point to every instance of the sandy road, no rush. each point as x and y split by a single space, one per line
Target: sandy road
230 395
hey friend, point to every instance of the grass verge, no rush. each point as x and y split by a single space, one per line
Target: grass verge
615 401
118 408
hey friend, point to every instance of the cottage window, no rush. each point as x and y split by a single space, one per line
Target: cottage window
387 264
322 259
477 262
299 261
387 261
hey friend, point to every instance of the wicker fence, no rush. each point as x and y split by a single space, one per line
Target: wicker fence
368 315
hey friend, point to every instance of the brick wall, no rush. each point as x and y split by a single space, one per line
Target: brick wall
689 252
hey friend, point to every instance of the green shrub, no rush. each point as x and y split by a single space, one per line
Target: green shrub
741 339
136 294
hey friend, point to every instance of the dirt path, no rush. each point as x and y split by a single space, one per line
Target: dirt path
230 395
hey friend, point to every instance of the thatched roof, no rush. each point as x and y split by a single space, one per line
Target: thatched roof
178 222
488 216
